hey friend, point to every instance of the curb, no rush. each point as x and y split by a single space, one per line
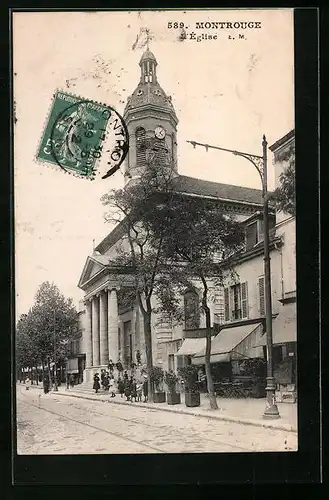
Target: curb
237 420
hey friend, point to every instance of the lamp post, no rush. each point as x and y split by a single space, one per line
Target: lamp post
55 361
260 163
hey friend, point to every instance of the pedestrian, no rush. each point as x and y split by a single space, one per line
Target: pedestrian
112 387
46 383
27 380
111 366
139 391
127 389
145 389
67 381
106 382
119 366
125 376
102 378
121 386
72 380
96 385
133 389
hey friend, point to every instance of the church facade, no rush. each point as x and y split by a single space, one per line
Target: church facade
111 330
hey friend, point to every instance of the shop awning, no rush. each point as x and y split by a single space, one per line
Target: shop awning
236 342
284 329
191 346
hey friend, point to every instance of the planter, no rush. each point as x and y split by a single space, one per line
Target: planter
173 398
258 391
159 397
192 399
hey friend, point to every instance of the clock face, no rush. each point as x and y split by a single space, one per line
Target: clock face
160 132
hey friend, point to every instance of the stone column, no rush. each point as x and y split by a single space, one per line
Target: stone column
113 325
104 350
88 337
95 330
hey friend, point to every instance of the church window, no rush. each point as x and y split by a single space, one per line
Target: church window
140 147
192 310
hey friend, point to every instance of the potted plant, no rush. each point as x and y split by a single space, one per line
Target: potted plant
156 377
173 397
189 375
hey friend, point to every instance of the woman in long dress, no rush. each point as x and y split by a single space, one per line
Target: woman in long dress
96 385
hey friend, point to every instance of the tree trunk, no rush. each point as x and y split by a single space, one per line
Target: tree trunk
210 384
50 382
148 349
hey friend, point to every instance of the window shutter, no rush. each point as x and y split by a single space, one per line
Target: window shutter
244 299
231 302
227 304
261 296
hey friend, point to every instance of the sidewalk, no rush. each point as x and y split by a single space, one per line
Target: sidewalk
247 411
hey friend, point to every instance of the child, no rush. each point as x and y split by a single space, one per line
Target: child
133 390
121 386
112 387
145 389
127 390
139 390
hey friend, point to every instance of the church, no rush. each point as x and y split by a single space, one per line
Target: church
112 330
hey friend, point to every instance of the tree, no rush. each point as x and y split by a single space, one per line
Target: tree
139 260
45 332
198 233
284 195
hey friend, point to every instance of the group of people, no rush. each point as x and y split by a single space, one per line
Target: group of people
132 387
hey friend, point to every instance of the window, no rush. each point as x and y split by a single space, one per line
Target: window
254 233
192 310
261 295
236 302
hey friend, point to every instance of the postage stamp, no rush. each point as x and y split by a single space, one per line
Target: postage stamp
83 137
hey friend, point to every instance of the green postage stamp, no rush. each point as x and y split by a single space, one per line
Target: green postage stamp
80 135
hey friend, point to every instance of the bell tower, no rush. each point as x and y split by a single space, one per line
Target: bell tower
152 123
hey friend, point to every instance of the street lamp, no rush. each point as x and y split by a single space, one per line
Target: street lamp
260 163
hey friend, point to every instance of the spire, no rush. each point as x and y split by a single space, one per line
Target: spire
148 65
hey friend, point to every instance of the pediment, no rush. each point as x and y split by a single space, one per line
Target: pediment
91 268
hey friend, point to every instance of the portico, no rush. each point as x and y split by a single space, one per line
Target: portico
101 334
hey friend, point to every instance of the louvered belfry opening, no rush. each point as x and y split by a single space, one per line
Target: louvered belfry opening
140 147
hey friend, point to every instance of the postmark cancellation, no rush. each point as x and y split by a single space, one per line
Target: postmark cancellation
83 137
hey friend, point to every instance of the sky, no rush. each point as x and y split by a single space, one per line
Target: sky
226 92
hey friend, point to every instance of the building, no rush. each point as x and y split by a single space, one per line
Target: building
76 359
241 329
114 330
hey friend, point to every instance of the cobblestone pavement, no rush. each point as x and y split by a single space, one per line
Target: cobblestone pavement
50 424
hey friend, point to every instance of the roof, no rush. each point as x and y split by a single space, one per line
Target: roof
228 192
282 140
148 55
147 94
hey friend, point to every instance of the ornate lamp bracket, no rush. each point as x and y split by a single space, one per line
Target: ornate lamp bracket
256 160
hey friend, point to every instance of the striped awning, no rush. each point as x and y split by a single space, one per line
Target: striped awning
191 346
284 329
230 343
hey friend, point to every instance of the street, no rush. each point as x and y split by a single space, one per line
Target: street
49 424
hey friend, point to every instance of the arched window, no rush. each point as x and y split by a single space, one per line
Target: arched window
140 147
192 310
